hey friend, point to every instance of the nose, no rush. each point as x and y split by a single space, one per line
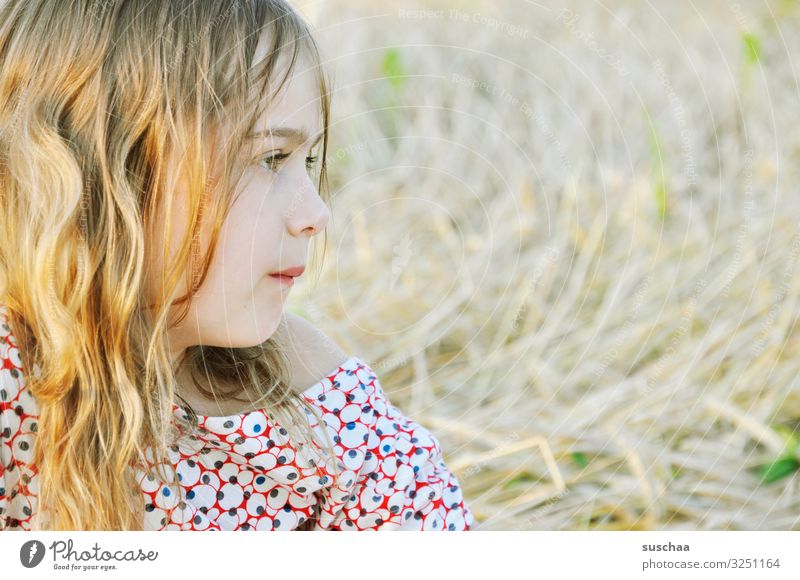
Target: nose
307 214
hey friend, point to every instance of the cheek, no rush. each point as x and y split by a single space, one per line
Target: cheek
245 250
255 224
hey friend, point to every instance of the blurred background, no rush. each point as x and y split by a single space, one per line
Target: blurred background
565 235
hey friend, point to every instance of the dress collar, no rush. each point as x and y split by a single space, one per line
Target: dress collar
257 440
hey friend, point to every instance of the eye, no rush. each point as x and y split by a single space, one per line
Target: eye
273 162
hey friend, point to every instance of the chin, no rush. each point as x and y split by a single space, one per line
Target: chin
253 332
267 327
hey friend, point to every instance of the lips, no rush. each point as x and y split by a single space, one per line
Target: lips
290 272
285 280
287 276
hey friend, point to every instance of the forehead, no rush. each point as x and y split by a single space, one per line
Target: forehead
298 105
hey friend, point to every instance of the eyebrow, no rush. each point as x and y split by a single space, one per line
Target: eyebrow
296 136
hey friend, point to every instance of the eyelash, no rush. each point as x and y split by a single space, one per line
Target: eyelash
278 157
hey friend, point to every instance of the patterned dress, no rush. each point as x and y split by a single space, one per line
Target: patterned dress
241 472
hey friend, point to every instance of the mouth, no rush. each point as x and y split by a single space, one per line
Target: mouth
286 280
287 276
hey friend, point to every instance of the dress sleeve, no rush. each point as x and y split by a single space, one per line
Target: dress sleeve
394 475
5 430
3 500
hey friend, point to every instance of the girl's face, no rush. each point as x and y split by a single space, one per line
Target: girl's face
277 210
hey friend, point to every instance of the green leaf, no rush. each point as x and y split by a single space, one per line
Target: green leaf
790 438
660 190
580 459
778 469
661 199
752 48
523 477
392 68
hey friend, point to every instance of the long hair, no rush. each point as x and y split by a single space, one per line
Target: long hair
104 104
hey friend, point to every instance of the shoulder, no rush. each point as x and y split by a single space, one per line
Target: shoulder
311 353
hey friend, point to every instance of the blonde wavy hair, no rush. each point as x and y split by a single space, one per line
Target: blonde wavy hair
103 105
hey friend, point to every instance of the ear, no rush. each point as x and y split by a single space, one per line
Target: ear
312 354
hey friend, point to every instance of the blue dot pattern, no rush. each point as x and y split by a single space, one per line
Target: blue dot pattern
242 472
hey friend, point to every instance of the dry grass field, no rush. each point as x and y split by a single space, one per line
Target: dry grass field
566 236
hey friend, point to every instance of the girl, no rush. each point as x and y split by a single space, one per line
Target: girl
159 162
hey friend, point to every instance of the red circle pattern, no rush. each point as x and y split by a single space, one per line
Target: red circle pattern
242 472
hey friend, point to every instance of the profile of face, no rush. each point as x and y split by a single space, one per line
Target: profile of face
276 212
